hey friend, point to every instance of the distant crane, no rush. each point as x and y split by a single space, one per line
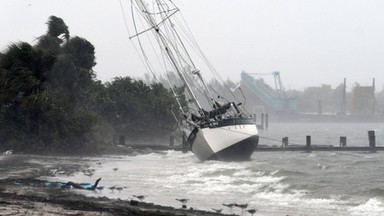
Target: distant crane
274 98
278 83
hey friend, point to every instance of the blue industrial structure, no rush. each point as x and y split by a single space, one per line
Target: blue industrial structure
275 99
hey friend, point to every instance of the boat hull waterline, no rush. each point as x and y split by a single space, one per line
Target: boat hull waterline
224 142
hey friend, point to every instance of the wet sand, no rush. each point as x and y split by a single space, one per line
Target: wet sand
22 191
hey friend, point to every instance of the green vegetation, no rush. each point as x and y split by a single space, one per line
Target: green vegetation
51 101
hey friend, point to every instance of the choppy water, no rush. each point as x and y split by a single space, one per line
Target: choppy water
274 183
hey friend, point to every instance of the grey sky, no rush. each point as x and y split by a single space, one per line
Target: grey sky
311 42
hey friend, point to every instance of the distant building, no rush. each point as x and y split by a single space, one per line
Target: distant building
363 100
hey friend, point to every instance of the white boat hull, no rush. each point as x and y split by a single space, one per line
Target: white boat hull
228 142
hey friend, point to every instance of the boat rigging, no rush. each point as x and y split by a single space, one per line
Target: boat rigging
220 129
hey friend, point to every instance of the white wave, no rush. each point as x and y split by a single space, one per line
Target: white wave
246 172
180 155
269 179
275 172
298 201
169 175
321 166
373 207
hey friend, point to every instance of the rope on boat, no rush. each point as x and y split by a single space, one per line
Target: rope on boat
260 137
270 139
251 135
276 140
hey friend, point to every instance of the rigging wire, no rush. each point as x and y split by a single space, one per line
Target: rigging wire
169 32
167 45
147 62
276 140
187 58
189 35
150 68
142 56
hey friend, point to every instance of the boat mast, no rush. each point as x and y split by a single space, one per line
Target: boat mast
195 70
166 45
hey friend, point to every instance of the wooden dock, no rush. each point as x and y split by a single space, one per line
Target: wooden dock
318 148
267 148
285 146
308 147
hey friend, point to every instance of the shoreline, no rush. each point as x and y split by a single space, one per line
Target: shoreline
18 196
25 200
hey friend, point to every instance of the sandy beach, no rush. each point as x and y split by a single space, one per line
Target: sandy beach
22 192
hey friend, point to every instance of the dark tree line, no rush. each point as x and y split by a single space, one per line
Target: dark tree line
51 101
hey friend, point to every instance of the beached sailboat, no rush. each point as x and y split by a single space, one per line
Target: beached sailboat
220 128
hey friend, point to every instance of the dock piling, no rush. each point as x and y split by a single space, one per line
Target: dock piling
185 143
171 140
262 120
285 141
122 140
372 140
343 141
308 143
